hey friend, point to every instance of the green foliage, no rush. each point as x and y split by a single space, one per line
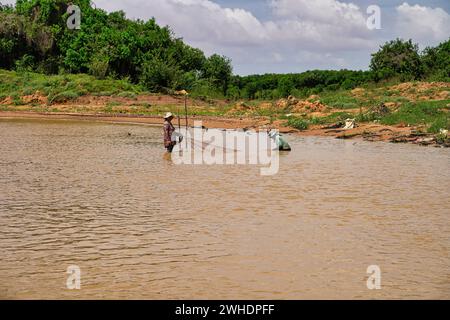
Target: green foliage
204 89
25 64
348 84
338 117
127 94
340 100
17 100
298 123
98 67
62 87
397 57
302 85
438 124
417 113
285 86
158 75
218 71
111 104
63 97
436 61
108 44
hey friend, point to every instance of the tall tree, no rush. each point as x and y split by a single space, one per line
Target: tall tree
219 71
398 57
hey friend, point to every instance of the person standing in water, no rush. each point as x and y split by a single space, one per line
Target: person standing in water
169 130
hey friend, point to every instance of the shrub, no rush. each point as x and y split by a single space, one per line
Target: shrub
127 94
436 61
25 64
348 84
298 123
62 97
113 104
99 68
158 74
17 100
438 124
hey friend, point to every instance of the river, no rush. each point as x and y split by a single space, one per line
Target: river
103 197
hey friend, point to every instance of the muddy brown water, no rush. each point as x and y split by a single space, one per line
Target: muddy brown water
102 197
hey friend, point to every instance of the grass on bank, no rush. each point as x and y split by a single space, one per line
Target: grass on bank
65 88
435 115
59 88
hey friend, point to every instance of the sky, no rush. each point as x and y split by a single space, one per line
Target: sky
288 36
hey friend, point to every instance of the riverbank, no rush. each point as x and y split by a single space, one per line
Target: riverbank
417 112
368 132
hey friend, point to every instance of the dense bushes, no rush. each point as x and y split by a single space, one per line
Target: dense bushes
436 62
34 36
273 86
402 59
157 74
397 57
298 123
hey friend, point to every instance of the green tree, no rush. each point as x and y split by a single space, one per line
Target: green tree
107 44
158 75
436 61
398 57
219 71
285 86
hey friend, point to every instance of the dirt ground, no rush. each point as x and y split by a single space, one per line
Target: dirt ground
207 121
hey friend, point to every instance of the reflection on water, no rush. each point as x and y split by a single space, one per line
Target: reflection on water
103 197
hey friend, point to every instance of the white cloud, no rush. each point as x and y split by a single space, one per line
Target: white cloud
8 2
322 23
328 23
196 20
277 57
323 11
424 24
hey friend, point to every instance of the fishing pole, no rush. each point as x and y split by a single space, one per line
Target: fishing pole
186 112
179 128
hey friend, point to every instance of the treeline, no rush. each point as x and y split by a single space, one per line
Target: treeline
273 86
396 60
34 37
